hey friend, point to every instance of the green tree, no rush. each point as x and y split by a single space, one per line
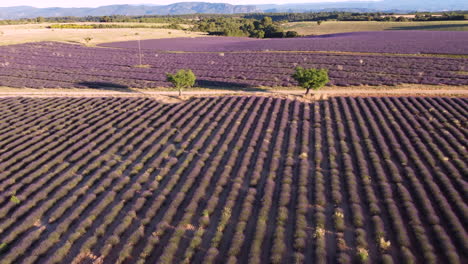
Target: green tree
291 34
402 19
182 79
248 27
258 25
106 19
311 78
257 34
267 21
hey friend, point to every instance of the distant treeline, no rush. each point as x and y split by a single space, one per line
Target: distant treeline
276 17
348 16
99 19
97 26
222 26
242 27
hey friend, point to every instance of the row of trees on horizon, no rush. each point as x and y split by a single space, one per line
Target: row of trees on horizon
277 17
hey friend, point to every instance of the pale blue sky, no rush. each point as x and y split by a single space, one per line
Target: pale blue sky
95 3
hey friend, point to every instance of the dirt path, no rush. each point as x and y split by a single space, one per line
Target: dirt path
172 96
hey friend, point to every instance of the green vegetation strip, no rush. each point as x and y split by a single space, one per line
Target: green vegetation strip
100 26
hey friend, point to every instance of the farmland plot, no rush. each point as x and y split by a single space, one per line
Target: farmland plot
58 65
401 42
233 180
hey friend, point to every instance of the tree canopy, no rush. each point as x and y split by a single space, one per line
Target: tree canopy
311 78
182 79
241 27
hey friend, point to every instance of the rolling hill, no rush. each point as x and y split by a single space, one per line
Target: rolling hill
129 10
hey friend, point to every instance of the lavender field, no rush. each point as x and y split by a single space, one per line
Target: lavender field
60 65
404 42
233 180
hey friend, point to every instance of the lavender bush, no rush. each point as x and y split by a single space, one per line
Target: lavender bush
257 179
50 65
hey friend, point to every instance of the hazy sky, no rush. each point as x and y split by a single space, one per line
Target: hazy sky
95 3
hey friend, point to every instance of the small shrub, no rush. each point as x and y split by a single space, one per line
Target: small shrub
291 34
319 232
384 245
15 199
339 220
363 254
3 246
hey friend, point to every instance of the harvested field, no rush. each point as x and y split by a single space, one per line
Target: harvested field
17 34
333 27
237 179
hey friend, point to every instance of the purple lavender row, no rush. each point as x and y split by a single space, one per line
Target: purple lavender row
434 42
45 65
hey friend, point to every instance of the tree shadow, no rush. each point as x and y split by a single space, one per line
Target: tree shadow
229 86
207 84
462 27
109 86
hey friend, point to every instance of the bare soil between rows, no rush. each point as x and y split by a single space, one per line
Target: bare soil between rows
168 96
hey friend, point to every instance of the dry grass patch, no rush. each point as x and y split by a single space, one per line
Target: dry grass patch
332 27
145 66
17 34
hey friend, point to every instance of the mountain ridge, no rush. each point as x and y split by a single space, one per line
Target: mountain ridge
18 12
181 8
372 6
